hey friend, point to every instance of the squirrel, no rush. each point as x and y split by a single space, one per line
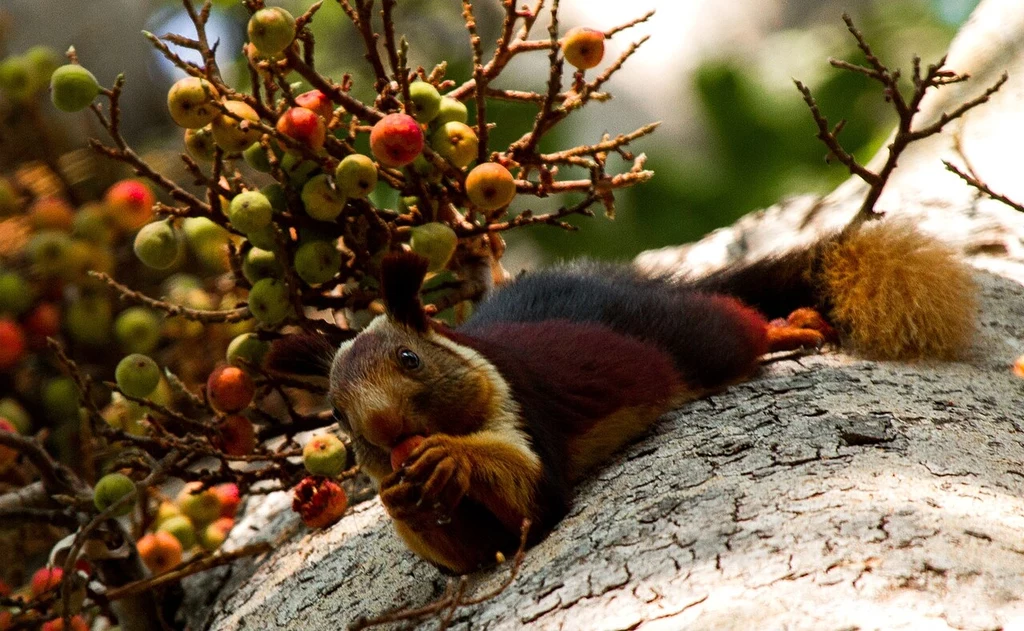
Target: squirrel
560 368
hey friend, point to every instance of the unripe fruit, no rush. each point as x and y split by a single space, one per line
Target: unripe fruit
131 202
158 245
199 143
15 294
137 330
160 551
396 140
16 78
181 528
229 497
325 455
426 101
233 133
451 110
42 61
456 142
94 224
319 501
277 196
60 399
318 102
237 436
229 388
256 157
271 31
356 176
583 47
110 489
304 126
50 253
298 170
250 211
15 413
165 511
322 199
201 506
88 320
72 88
191 102
137 375
214 535
317 261
490 186
435 242
247 348
401 451
260 264
269 301
45 579
263 239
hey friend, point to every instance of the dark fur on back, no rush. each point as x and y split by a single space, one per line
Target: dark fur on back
402 276
775 285
308 353
692 326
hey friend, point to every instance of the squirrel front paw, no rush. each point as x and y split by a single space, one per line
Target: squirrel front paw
428 489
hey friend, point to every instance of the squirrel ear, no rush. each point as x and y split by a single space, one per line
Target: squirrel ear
401 277
308 353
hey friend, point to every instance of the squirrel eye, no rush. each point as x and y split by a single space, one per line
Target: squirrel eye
408 359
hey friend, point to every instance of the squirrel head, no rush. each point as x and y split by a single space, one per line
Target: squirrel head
401 376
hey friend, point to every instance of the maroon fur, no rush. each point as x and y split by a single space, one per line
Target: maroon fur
578 373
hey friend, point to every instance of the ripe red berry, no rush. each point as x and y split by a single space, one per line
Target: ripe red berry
320 501
78 623
317 101
43 321
401 452
131 202
237 436
12 343
230 388
396 140
229 497
46 579
303 125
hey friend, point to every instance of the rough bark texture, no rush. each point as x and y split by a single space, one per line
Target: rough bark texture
829 493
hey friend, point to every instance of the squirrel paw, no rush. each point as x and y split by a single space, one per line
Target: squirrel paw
803 329
429 488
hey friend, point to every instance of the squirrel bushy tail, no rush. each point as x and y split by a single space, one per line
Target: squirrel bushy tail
891 291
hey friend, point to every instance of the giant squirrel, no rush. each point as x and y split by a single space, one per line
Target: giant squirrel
560 368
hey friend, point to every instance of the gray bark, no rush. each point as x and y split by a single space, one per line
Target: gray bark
828 493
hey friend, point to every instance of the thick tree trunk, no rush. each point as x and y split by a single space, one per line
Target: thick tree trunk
829 493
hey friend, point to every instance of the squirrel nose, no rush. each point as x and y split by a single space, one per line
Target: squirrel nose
384 427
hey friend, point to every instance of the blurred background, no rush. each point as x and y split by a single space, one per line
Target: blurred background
735 134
